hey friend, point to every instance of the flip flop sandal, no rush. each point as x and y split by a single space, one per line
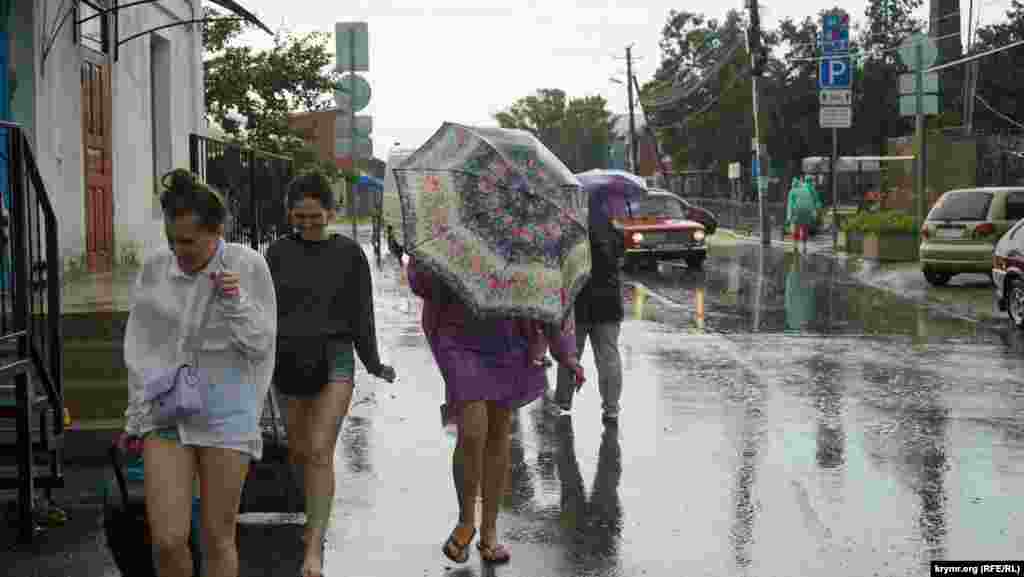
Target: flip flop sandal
461 551
496 554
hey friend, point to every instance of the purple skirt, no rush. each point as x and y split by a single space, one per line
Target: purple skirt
493 369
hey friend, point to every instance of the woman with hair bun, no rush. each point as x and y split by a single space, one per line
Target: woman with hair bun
210 304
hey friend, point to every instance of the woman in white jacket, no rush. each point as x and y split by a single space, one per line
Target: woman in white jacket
211 304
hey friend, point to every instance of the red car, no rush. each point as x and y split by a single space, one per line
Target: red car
657 228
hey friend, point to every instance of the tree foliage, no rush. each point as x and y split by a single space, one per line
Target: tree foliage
265 86
714 125
577 130
691 130
1000 82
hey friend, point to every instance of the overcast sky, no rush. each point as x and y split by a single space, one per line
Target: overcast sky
463 60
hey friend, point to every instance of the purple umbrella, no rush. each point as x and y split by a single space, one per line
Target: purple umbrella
611 192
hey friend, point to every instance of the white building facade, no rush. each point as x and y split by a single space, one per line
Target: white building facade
109 96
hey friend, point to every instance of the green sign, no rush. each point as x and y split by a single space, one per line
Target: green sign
909 54
929 102
352 46
352 93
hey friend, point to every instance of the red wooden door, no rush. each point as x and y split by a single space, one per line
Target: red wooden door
96 152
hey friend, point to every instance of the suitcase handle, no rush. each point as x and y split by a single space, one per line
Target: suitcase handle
115 460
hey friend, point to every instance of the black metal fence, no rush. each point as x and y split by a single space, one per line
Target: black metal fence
1000 162
30 322
254 183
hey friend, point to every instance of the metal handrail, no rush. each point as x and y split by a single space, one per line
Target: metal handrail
28 198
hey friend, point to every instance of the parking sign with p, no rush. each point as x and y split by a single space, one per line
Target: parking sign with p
834 72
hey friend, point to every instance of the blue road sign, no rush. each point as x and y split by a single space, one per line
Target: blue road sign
834 72
835 33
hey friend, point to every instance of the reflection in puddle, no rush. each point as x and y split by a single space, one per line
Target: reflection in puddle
758 289
700 308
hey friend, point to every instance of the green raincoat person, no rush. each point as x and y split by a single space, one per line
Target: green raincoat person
801 208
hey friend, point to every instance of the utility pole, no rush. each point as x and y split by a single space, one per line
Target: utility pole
921 130
971 77
632 121
649 129
758 58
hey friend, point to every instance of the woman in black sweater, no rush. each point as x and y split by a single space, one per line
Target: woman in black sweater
325 310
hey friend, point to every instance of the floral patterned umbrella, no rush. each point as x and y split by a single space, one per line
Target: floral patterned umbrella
499 218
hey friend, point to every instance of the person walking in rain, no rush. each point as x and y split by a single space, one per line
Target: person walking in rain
211 304
491 367
599 314
801 211
325 309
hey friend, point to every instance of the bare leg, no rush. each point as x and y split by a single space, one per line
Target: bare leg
222 473
170 470
458 474
496 459
473 432
320 419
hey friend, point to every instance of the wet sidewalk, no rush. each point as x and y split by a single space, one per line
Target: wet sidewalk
740 452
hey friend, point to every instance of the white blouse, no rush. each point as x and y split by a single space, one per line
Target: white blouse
235 347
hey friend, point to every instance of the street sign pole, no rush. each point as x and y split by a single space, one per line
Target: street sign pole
352 133
754 47
835 77
922 135
835 188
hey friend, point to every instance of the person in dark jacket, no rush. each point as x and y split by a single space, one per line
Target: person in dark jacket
325 313
599 313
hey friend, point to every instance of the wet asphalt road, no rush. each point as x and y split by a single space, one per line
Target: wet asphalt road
778 419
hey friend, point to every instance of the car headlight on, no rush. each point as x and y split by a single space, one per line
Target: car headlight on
698 235
638 237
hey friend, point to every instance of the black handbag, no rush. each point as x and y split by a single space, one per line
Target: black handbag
302 366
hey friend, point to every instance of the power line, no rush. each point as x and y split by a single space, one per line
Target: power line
714 101
708 53
975 57
997 113
683 92
874 52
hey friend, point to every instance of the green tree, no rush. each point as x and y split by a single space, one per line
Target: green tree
876 83
709 121
1000 83
264 86
577 130
790 96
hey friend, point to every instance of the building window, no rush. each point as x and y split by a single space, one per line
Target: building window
160 110
94 33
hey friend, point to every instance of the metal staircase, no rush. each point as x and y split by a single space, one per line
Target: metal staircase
31 363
